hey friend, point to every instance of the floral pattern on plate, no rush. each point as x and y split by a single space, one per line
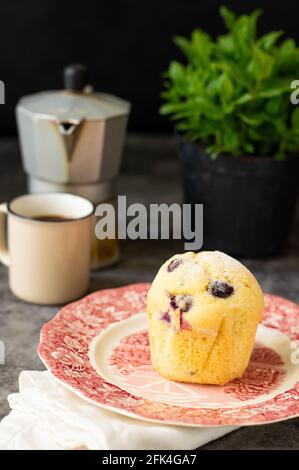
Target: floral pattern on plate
265 393
131 361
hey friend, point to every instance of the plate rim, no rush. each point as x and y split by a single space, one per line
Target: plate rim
136 415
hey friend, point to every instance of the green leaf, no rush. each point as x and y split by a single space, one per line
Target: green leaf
176 71
226 88
295 120
267 41
253 21
226 44
274 106
279 157
261 64
243 99
237 73
274 87
198 49
287 57
168 108
244 34
184 45
231 139
228 16
248 147
254 119
221 86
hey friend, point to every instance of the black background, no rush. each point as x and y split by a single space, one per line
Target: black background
126 44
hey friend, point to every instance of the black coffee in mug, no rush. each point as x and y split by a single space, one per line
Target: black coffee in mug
51 218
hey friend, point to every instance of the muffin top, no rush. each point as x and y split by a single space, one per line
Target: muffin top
196 290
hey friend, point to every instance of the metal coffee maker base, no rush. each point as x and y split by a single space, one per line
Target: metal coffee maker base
104 252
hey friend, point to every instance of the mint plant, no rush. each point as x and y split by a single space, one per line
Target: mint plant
233 94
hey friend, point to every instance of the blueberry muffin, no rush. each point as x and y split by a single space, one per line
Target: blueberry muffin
203 311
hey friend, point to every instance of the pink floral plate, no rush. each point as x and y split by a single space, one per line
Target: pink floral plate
98 347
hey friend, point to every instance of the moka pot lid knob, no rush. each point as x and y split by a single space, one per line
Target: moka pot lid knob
75 77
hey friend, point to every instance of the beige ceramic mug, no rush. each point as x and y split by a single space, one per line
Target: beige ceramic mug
49 246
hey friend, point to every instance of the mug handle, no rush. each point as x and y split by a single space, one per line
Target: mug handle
4 255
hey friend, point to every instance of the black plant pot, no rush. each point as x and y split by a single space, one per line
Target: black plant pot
248 202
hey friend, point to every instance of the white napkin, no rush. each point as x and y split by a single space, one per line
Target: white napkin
46 415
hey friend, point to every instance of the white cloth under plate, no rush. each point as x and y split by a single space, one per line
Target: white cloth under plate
46 415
